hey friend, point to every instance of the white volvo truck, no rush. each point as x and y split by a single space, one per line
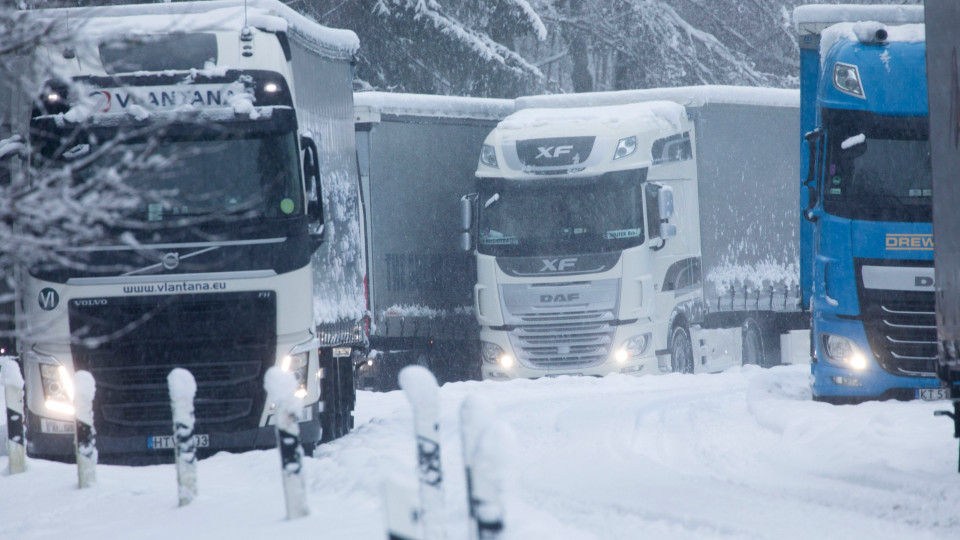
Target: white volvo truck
230 263
637 232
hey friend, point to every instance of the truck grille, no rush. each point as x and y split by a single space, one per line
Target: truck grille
130 344
562 325
901 327
565 340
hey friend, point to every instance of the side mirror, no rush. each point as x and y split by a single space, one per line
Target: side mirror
665 204
668 231
311 178
466 221
466 213
813 139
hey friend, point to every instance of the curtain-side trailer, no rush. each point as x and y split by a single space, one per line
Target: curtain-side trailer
416 153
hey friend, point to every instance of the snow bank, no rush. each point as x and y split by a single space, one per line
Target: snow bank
436 106
689 96
735 455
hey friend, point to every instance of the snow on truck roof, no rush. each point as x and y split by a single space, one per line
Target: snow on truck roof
646 116
689 96
814 18
434 106
270 15
863 31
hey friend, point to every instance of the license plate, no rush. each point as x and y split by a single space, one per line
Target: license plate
933 394
341 352
167 442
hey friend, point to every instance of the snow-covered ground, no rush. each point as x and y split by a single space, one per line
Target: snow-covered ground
740 454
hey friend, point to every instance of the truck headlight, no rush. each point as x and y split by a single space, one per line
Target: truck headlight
57 388
625 147
843 352
494 354
488 156
846 78
632 348
297 365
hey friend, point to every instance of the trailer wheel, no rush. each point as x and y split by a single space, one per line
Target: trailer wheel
752 353
681 350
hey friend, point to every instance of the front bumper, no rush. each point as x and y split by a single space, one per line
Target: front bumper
644 364
830 381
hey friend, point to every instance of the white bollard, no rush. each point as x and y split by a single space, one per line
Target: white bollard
280 386
483 438
421 389
85 435
183 388
12 381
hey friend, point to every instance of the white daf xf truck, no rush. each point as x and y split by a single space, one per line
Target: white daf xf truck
245 250
637 232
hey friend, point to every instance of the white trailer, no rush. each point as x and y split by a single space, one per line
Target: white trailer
636 232
252 255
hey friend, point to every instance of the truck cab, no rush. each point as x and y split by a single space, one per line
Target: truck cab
200 119
574 228
866 202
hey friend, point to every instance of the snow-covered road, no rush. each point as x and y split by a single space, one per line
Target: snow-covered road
740 454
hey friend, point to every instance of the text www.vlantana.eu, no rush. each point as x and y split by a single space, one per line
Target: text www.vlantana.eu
184 286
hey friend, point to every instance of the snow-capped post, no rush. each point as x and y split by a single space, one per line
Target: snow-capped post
183 388
12 381
85 436
280 386
421 389
483 461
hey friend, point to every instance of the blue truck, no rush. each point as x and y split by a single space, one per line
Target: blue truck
867 273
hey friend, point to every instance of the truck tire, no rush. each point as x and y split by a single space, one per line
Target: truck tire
752 352
681 350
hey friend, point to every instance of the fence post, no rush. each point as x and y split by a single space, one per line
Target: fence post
183 389
12 381
280 387
483 460
423 393
85 435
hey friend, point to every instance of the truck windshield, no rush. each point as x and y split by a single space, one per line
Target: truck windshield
877 167
561 216
196 170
